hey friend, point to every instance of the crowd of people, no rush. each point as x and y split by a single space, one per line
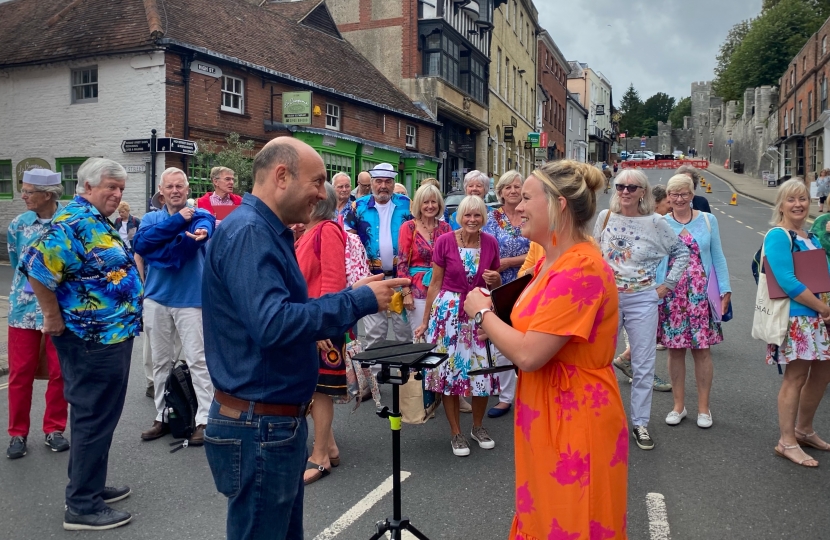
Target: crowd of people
325 256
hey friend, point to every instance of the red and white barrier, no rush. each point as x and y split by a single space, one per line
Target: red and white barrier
665 164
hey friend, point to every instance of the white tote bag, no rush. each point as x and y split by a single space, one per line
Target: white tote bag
772 317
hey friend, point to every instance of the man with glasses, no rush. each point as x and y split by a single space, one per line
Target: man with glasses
342 187
223 195
377 219
364 186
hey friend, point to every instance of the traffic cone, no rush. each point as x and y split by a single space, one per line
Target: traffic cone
703 182
709 188
734 201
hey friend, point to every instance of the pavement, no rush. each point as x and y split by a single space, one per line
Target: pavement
724 482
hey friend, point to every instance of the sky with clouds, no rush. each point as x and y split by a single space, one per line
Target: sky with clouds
659 45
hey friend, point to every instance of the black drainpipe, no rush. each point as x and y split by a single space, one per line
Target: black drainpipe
186 60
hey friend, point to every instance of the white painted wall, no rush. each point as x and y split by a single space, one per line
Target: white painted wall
37 118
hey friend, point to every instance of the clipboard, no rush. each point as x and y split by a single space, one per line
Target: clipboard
504 298
223 211
810 269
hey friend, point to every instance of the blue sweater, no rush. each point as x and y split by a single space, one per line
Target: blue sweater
174 262
708 241
778 251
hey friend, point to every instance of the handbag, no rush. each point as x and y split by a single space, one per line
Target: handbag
713 290
417 404
772 316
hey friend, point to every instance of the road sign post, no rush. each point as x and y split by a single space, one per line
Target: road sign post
176 146
130 146
152 168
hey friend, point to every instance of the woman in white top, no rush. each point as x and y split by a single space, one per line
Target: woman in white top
633 240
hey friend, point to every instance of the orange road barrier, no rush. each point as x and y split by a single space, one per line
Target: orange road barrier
709 188
665 164
726 164
734 201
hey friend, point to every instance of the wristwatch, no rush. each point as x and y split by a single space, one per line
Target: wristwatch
480 315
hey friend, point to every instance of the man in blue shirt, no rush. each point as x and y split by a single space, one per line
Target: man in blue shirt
172 243
261 331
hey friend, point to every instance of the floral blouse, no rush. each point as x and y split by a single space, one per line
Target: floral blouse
420 249
511 241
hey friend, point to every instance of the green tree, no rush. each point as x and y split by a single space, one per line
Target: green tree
733 39
658 107
773 39
631 112
822 7
235 154
683 108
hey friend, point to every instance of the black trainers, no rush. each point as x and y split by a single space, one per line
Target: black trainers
100 521
17 448
151 391
642 438
57 442
114 494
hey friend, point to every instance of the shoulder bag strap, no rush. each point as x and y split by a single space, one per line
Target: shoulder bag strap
607 217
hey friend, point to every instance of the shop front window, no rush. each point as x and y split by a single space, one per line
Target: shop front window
336 163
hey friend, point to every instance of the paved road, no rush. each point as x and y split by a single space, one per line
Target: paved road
720 483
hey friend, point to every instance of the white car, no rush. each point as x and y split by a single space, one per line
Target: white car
641 156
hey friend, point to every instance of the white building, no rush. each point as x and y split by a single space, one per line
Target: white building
594 91
576 131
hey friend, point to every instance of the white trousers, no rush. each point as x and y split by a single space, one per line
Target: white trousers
416 316
148 354
639 317
507 379
377 327
162 323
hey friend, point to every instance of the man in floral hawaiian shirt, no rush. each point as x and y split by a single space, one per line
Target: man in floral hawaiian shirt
90 294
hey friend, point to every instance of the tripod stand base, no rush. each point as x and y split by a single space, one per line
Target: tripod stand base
395 528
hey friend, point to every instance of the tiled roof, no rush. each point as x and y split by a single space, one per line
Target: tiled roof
270 37
37 31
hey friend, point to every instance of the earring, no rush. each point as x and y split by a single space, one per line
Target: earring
641 199
553 240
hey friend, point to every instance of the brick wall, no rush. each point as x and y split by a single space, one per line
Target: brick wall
39 121
553 78
208 122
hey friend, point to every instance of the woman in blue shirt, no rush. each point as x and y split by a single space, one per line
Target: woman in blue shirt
806 346
686 319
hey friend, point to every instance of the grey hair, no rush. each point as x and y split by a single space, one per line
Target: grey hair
55 191
476 176
93 170
691 171
505 180
680 181
273 154
646 205
325 208
788 189
338 175
173 170
471 202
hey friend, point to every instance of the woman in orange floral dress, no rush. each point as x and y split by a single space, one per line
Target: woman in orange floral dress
571 436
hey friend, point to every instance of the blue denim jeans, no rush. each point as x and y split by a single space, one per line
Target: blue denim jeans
94 384
257 463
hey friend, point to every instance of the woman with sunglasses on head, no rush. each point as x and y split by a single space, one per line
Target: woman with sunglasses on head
686 319
633 240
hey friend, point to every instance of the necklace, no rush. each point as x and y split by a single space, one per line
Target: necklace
690 219
464 244
430 230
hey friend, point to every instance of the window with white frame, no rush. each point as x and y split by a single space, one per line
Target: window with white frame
85 85
233 94
410 136
333 116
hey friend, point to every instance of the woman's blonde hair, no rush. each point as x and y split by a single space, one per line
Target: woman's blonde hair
433 181
790 188
123 206
646 205
678 182
424 193
577 183
468 203
505 180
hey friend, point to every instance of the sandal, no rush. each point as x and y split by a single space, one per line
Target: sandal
335 461
320 472
805 439
783 454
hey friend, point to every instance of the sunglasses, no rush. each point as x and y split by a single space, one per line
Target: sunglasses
631 188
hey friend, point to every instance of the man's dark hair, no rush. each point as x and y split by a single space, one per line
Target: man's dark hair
273 155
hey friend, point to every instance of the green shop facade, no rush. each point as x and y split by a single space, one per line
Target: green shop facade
351 155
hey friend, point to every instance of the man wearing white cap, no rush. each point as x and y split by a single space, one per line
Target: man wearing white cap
377 218
40 191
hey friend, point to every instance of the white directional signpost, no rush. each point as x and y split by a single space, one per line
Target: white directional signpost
130 146
154 145
176 146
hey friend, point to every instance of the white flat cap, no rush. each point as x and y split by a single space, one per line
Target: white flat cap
41 177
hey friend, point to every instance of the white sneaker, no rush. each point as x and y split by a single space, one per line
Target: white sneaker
460 447
674 418
480 435
704 420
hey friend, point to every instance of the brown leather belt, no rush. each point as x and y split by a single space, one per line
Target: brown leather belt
235 407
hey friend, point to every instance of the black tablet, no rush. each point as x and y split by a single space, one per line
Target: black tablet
504 297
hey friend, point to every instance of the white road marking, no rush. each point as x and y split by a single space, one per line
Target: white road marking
4 386
727 215
4 297
739 221
658 519
762 234
748 227
362 506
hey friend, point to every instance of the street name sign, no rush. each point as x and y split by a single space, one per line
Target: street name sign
135 145
206 69
176 146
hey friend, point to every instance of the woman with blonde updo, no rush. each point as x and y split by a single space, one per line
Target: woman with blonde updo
568 404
